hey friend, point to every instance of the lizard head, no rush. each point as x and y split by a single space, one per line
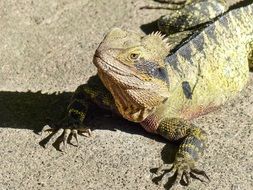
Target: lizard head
132 68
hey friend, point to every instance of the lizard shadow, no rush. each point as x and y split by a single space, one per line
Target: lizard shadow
149 27
30 110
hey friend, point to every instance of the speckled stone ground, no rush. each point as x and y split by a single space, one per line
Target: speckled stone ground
46 51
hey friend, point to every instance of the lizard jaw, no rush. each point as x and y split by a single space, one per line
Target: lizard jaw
117 71
109 66
136 94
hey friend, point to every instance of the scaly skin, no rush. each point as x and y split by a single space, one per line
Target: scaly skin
177 5
140 78
188 18
192 16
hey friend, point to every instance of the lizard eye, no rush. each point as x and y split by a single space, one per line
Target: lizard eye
134 56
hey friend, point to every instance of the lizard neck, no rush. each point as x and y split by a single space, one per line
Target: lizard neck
128 100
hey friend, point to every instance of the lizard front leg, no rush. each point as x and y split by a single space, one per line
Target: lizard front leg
192 147
73 122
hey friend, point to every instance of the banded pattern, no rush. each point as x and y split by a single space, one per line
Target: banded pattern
92 92
193 15
194 141
219 53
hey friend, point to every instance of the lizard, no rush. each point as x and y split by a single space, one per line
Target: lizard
193 15
187 17
147 82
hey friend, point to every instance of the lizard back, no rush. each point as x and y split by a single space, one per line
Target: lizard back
212 66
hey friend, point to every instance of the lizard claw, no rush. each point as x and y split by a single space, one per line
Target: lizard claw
63 135
75 135
182 171
47 128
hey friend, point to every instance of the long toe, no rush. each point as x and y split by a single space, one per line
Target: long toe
164 167
84 131
168 175
187 178
75 134
201 174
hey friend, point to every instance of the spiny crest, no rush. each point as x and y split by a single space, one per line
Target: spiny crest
162 37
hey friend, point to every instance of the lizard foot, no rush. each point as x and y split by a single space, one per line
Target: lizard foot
182 171
64 134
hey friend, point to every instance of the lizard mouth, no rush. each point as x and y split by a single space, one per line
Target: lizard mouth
115 70
111 66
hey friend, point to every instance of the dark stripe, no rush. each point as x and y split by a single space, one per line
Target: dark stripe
181 23
198 42
211 33
186 53
173 62
225 22
187 89
152 69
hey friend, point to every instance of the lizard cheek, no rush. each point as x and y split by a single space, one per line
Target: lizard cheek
149 70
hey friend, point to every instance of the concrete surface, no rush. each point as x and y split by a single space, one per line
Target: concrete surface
46 51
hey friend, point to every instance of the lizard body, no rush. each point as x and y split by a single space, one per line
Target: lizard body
193 64
146 81
191 16
188 18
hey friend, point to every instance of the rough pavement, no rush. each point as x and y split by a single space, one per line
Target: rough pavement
45 53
